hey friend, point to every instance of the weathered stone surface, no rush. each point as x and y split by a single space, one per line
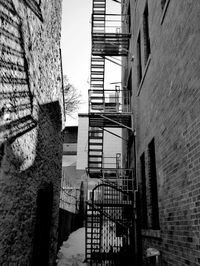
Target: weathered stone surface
30 123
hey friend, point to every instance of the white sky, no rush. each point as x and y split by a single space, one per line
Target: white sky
75 45
76 50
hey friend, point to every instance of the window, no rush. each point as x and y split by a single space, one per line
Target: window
147 46
129 87
127 93
143 193
153 214
139 61
129 18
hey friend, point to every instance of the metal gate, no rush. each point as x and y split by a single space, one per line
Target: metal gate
109 225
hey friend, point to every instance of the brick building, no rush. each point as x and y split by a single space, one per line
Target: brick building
162 72
31 115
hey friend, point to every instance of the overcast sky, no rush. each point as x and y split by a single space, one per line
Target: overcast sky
75 45
76 49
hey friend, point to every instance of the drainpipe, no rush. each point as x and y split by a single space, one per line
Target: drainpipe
137 233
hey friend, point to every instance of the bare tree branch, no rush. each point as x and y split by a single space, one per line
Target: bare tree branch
72 97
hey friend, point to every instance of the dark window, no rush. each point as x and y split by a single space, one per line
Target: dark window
127 93
163 3
147 47
153 219
139 61
130 84
143 192
129 18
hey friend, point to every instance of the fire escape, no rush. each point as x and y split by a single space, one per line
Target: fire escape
109 219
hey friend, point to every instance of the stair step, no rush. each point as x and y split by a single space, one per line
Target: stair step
99 18
94 156
95 144
99 60
99 6
96 137
97 150
97 91
97 85
96 98
98 66
97 72
92 141
93 130
96 162
94 1
98 12
97 79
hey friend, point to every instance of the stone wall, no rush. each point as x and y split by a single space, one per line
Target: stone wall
31 118
166 107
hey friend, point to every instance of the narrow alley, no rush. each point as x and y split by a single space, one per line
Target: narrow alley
120 186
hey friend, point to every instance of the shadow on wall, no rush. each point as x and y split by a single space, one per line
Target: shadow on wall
29 201
16 99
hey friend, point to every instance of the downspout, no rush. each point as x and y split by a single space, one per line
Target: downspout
137 228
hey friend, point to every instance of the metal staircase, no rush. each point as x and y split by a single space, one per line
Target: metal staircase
95 151
109 217
107 38
107 108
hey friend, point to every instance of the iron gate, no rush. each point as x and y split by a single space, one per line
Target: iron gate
109 225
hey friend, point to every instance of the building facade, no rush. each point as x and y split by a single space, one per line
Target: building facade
31 116
162 73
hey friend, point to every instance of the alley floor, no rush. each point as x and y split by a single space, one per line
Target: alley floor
72 252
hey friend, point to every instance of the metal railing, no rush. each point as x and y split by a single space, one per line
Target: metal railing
113 101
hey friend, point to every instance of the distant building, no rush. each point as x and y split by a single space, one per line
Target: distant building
71 177
72 186
111 152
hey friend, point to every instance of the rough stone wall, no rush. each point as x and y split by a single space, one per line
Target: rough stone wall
31 111
166 107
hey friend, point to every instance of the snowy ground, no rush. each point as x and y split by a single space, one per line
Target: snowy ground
72 252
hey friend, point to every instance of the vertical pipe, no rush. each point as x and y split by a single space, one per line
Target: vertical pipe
62 82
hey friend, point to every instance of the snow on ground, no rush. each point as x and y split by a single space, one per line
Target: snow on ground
72 252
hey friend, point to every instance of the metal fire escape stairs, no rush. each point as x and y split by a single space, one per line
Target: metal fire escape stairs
109 219
112 199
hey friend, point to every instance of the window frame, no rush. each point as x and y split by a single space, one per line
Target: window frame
146 34
144 219
153 221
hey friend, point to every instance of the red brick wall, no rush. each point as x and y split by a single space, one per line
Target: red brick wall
166 107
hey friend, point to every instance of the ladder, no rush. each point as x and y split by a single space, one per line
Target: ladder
95 151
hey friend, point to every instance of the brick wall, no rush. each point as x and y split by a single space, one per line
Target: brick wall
30 126
166 107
